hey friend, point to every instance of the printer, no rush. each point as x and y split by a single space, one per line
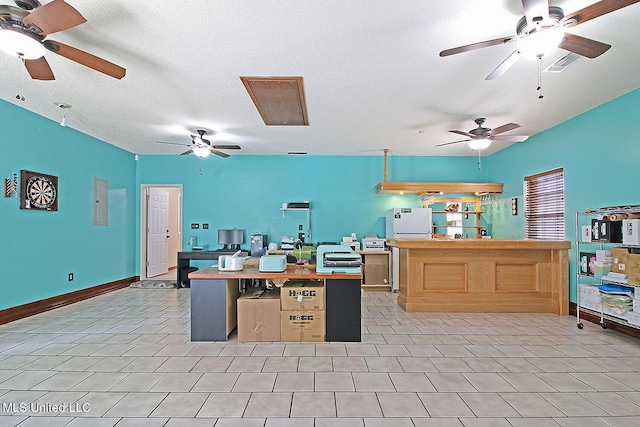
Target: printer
337 259
372 242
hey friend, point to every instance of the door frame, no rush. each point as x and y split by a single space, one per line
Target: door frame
142 238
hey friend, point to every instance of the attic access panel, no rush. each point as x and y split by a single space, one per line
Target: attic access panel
279 100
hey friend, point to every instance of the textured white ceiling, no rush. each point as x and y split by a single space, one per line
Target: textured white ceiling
372 74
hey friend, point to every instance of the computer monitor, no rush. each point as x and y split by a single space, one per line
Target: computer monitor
231 239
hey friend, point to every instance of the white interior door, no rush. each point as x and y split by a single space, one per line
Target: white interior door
157 232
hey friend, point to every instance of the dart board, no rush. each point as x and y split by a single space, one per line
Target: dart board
39 191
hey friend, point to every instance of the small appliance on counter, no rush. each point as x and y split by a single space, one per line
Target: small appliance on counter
337 259
351 241
230 262
286 243
258 243
372 242
273 263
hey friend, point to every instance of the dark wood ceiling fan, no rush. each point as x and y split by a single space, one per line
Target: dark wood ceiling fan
29 25
487 134
202 147
546 24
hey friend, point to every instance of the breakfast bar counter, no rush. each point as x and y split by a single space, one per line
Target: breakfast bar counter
483 275
214 294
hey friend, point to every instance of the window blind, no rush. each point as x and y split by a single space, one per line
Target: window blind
544 205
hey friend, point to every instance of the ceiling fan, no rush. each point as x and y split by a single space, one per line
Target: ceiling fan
542 29
202 147
24 31
481 137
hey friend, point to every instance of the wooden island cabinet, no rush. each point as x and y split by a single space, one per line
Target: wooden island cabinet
483 275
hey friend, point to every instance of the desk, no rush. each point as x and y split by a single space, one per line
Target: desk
213 305
184 267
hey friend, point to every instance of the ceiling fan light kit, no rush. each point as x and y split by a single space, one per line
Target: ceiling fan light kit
21 44
539 43
479 144
201 151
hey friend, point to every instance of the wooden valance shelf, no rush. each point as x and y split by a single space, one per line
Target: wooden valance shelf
433 188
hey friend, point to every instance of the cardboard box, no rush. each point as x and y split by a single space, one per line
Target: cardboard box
302 326
606 231
633 268
259 315
302 295
586 234
620 257
631 231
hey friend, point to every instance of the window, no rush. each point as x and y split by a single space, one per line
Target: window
544 205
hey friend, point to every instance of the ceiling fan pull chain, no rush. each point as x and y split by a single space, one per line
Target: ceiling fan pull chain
21 79
540 95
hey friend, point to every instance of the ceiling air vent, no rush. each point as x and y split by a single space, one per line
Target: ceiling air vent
279 100
562 63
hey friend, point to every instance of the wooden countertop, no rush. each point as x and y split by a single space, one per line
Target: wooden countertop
253 272
478 244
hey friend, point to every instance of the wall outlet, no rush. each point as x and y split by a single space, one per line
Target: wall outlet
300 227
71 277
205 226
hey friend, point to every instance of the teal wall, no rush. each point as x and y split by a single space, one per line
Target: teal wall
247 192
598 151
39 249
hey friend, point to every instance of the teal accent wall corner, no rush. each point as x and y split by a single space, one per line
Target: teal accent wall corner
38 248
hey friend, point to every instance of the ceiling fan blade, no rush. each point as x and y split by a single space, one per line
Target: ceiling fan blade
226 147
39 69
454 142
504 128
459 132
173 143
86 59
186 152
53 17
478 45
595 10
536 11
583 46
218 153
510 138
506 64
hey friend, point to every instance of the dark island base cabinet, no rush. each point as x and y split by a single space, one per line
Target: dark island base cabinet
214 306
343 310
213 309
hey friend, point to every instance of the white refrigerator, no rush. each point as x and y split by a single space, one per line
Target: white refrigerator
411 223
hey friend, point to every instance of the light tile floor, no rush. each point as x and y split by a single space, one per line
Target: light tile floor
125 359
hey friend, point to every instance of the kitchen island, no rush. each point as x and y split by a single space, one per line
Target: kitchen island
483 275
214 294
